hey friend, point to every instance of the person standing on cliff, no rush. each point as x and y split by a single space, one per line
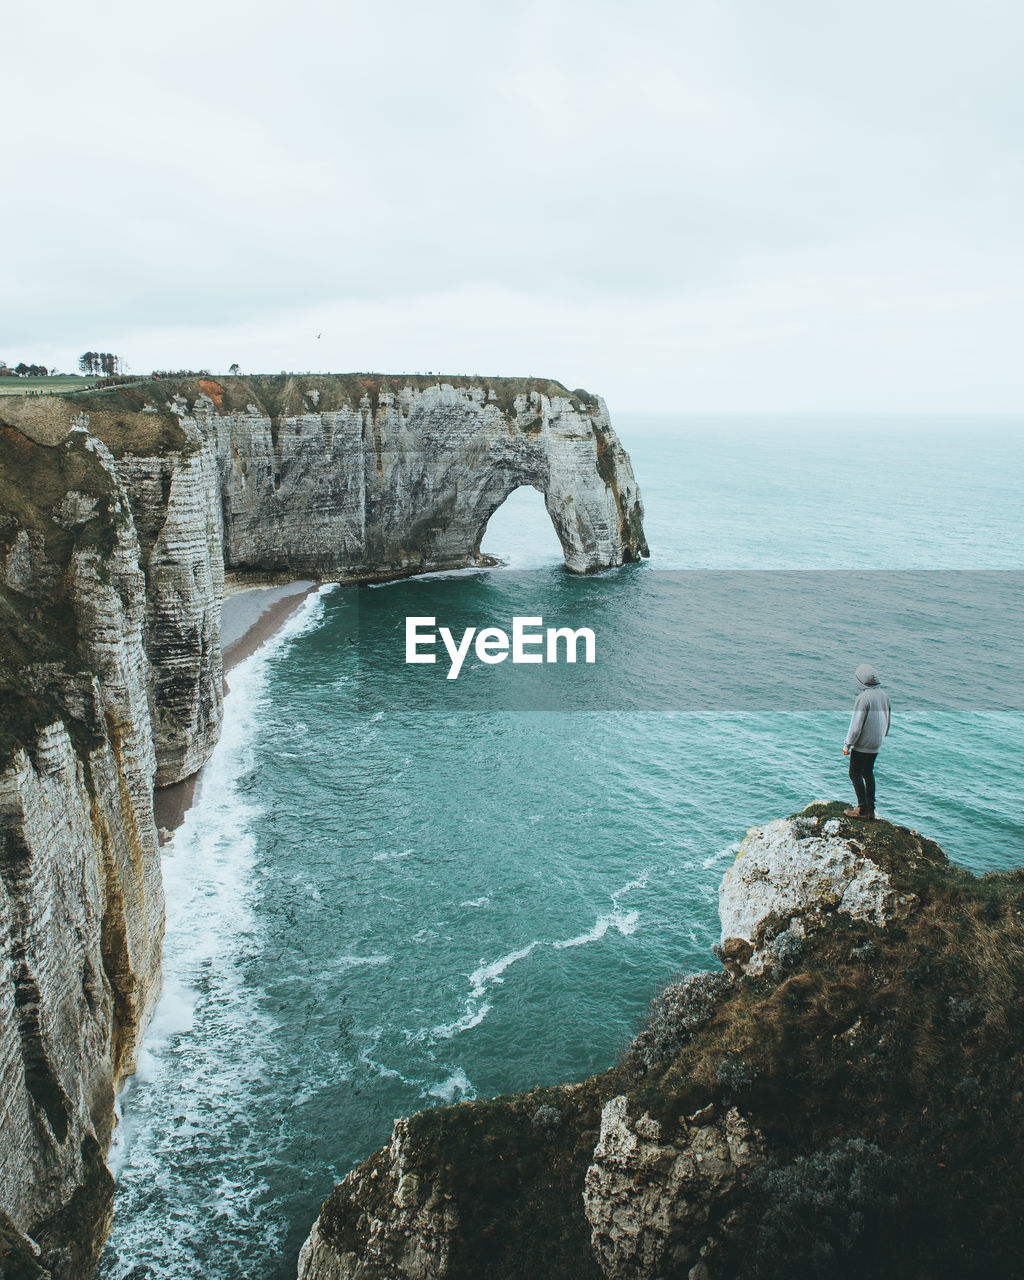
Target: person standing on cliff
872 715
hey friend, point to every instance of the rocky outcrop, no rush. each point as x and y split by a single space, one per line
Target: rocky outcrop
120 511
654 1200
491 1189
795 872
407 1226
842 1100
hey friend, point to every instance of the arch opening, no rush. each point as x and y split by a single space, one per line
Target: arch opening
520 532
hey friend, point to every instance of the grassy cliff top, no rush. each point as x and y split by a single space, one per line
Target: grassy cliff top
54 500
128 419
35 481
136 418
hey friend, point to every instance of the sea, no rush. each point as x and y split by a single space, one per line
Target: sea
397 891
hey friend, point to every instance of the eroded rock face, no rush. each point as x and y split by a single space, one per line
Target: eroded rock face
349 479
176 501
795 868
81 899
658 1203
366 487
408 482
335 482
404 1227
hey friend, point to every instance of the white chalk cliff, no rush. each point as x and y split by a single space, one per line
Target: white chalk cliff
81 898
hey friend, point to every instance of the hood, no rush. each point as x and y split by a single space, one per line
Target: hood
866 676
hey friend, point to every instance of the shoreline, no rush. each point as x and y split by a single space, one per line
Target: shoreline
250 616
251 613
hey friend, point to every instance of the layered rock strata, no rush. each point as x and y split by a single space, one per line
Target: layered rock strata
405 477
81 899
842 1099
176 498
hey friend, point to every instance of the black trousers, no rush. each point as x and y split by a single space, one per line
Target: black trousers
862 775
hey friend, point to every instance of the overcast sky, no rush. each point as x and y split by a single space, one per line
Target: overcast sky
794 205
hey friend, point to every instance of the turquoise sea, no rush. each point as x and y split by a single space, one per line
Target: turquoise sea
395 891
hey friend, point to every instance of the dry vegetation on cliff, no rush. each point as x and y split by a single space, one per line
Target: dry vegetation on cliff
38 629
136 418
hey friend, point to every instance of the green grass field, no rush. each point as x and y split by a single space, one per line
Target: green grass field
61 382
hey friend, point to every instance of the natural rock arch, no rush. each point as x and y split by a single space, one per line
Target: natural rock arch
407 483
502 526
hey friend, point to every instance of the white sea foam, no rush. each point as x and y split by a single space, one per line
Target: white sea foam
174 1016
480 979
730 851
526 561
210 1037
389 854
477 1008
469 571
455 1087
491 973
474 1015
379 1070
626 922
476 902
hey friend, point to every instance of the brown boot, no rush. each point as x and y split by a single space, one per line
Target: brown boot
853 813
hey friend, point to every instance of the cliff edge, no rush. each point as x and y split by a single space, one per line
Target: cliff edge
81 898
840 1097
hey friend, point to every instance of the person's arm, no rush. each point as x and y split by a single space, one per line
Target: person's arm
860 710
888 715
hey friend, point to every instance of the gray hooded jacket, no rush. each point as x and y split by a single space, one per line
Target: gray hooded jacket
872 713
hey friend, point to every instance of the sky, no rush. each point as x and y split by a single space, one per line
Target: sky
789 207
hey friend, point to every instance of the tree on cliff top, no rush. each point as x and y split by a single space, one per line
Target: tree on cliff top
93 363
